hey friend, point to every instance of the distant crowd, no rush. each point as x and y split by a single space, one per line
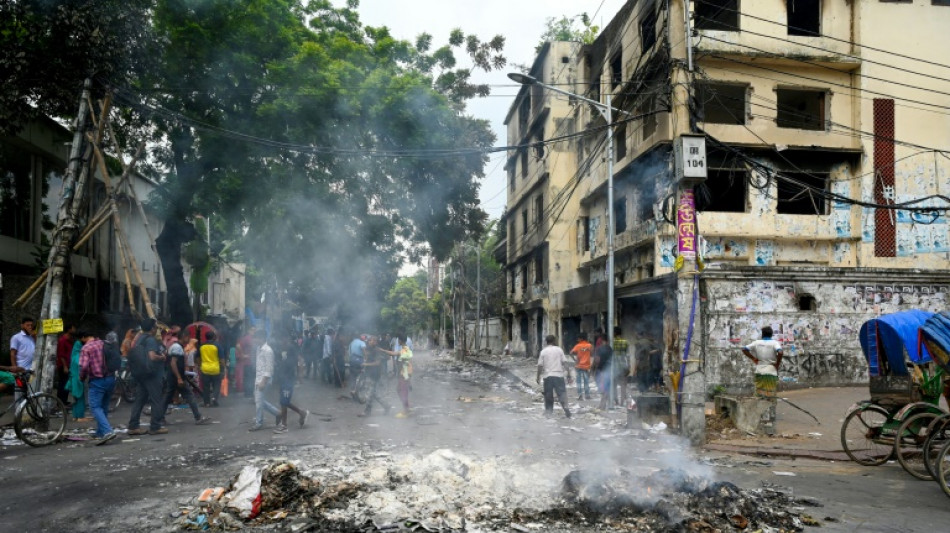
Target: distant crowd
161 368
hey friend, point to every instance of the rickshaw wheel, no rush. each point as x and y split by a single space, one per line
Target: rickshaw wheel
861 436
909 444
943 468
938 434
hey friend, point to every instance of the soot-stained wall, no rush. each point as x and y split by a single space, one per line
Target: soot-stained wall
821 344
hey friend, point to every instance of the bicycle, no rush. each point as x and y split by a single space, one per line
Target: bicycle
124 389
35 421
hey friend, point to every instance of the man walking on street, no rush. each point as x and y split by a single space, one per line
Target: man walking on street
146 360
553 368
265 373
93 367
64 350
175 382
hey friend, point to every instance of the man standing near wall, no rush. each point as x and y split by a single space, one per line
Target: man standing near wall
767 356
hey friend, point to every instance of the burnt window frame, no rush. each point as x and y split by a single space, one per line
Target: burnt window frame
720 10
711 92
539 269
620 141
620 215
616 69
647 27
524 163
798 120
786 194
737 176
795 26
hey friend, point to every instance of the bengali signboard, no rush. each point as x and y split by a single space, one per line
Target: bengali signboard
686 225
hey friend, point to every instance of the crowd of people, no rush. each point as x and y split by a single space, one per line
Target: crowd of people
610 366
170 367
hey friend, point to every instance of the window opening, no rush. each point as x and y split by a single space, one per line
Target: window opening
620 215
616 70
725 191
722 103
524 278
647 31
802 194
538 269
801 109
539 209
807 302
804 17
720 15
524 162
524 221
620 142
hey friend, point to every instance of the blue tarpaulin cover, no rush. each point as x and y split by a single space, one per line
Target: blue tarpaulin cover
935 336
892 336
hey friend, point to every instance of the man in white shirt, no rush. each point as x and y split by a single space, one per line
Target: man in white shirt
767 356
265 373
553 368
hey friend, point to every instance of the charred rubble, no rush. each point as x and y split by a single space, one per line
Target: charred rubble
447 492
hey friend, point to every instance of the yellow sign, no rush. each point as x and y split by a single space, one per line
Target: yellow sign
53 325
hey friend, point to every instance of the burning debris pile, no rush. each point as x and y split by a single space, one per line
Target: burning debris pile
670 500
445 491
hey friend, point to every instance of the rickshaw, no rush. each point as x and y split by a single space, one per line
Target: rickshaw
935 337
905 386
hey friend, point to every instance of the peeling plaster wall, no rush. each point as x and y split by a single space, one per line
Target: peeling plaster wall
821 347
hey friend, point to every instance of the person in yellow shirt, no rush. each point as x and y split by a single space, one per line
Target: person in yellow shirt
211 370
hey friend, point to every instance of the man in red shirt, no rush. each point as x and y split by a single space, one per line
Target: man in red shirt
64 351
582 352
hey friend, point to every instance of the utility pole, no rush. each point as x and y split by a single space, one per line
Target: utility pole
691 393
478 295
77 173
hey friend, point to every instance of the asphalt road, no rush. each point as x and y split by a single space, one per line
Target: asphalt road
136 484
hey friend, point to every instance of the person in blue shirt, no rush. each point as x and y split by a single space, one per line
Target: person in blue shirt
357 357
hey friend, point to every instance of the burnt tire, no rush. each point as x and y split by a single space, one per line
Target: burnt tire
909 444
862 436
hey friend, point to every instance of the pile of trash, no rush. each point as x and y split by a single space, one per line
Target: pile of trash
671 500
446 491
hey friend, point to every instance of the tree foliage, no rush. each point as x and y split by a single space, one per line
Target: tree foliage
406 308
322 150
578 28
47 49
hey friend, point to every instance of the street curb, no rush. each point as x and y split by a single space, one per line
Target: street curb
821 455
504 372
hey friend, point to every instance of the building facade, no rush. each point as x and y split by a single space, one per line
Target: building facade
819 125
31 181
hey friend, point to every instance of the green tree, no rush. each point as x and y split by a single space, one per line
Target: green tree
406 308
48 48
576 29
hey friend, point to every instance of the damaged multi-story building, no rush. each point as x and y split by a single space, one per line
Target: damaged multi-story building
822 206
